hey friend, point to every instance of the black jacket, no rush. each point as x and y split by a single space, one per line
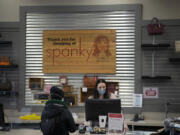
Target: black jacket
65 121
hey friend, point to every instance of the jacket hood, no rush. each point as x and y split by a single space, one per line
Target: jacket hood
53 108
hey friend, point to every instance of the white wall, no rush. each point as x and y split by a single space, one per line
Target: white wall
163 9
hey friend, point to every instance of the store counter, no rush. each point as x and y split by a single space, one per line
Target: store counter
157 123
146 122
38 132
151 118
127 133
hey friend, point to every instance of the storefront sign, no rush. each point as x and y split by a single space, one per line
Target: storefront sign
79 51
150 92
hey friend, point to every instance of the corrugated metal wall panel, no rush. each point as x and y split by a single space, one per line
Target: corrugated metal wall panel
168 89
122 21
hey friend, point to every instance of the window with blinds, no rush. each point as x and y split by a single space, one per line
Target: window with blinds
122 21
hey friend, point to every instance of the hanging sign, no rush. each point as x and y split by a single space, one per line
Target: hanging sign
150 92
79 51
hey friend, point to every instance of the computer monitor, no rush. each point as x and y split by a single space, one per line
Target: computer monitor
96 107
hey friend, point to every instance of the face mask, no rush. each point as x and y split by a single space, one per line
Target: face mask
101 91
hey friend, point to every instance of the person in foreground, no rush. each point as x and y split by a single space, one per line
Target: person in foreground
56 119
100 92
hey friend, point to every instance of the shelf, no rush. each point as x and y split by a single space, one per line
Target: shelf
155 46
8 93
156 77
8 66
5 43
174 60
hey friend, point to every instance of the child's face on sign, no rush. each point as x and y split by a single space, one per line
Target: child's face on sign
103 45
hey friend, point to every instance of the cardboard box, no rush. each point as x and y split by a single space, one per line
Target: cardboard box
67 88
85 94
36 83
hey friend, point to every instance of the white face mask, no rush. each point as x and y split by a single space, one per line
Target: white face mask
101 91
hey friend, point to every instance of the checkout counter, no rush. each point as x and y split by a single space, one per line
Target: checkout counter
151 119
38 132
127 133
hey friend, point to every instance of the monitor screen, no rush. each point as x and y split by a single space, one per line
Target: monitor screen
96 107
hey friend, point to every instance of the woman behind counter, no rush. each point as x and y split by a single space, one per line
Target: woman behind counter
100 92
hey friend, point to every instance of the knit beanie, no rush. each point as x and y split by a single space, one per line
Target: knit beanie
56 93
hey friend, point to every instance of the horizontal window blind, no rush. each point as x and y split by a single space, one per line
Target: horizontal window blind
122 21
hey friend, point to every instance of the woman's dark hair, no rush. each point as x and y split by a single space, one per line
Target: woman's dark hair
56 93
96 94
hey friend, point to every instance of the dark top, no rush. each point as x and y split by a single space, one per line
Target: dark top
65 121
